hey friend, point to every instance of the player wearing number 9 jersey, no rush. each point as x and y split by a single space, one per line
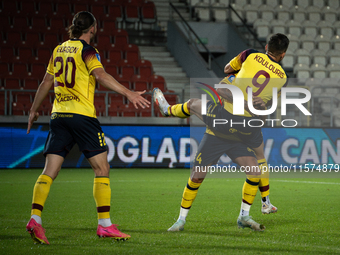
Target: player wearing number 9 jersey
73 70
262 72
258 71
244 145
74 88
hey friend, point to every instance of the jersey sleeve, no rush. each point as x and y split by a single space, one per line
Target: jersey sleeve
91 58
237 61
284 85
50 67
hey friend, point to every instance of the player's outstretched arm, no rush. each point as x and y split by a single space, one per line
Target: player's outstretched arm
109 82
41 94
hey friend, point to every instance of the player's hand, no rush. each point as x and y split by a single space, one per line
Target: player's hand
31 118
258 103
137 100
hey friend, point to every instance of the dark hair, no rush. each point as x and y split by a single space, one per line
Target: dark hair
278 44
81 24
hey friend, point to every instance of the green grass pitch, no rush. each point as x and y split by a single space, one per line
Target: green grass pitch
145 202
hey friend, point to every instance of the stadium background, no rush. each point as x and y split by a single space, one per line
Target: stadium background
146 44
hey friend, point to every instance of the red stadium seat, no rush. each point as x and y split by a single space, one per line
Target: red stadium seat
31 83
144 68
2 103
4 68
45 8
19 108
107 27
99 103
38 70
138 83
7 54
32 39
115 55
127 70
99 98
113 110
103 42
43 55
63 9
120 40
111 69
116 99
129 110
145 112
20 23
118 2
46 107
131 12
57 25
22 97
102 2
39 24
115 11
13 38
98 10
171 98
50 40
148 12
131 52
6 22
12 83
120 32
19 70
28 7
25 54
125 82
157 81
10 7
79 6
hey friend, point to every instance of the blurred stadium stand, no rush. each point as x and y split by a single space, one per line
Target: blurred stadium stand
132 37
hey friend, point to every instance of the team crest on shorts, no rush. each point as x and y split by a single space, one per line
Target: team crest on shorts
54 116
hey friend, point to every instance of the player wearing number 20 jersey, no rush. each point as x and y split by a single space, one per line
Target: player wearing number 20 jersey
74 88
258 71
73 70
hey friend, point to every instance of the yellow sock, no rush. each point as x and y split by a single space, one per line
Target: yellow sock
264 180
189 194
249 190
102 196
179 110
40 193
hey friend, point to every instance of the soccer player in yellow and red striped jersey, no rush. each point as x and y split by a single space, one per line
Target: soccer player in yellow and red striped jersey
73 70
262 72
244 145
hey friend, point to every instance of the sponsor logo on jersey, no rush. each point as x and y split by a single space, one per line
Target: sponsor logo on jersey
66 97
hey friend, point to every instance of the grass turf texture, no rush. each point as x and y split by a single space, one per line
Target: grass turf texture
146 202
